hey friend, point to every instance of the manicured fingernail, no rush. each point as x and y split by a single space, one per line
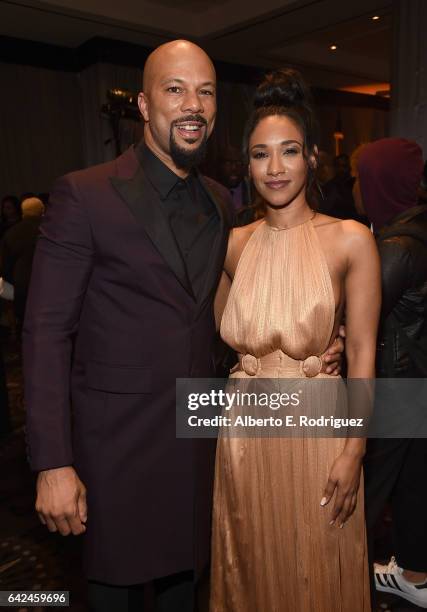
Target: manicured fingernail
342 525
332 522
323 501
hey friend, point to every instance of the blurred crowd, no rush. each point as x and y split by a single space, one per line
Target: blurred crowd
338 191
19 226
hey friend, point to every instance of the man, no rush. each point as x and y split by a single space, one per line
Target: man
233 176
343 168
128 262
335 185
389 173
17 251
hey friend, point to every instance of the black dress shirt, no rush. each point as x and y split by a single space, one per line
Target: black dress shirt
191 213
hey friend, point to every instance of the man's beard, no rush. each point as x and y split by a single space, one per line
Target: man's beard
186 159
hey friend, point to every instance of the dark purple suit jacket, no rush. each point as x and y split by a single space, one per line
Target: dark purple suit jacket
111 323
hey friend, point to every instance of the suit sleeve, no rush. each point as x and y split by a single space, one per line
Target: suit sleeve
61 270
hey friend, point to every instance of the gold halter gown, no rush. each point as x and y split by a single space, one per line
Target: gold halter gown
273 549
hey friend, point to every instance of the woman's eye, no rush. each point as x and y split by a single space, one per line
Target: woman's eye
259 155
291 151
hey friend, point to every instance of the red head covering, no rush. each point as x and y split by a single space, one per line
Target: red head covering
390 173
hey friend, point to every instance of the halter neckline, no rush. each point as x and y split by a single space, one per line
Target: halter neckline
281 229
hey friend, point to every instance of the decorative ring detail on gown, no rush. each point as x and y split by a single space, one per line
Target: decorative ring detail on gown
250 364
312 366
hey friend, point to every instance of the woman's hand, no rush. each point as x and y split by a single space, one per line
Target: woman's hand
344 477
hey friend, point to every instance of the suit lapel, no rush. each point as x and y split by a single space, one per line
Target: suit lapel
216 259
145 205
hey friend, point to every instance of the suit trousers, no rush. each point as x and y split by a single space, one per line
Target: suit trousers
395 471
175 593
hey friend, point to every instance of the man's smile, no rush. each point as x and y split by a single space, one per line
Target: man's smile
190 129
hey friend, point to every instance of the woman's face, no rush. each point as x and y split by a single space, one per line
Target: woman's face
276 160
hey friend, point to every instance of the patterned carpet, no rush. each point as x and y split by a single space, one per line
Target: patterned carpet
30 556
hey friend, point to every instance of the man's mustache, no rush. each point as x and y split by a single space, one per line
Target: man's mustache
188 118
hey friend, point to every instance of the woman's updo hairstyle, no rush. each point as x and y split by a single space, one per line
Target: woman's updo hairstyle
284 92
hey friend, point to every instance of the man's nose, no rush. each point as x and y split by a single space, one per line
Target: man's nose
192 103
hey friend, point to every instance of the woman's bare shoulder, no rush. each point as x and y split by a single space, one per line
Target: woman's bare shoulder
347 228
237 241
240 235
356 232
321 220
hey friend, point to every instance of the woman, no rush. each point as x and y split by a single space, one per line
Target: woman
279 503
390 172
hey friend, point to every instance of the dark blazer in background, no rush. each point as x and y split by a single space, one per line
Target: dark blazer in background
109 287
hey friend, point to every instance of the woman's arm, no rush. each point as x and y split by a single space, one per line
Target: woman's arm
363 302
221 297
225 281
236 243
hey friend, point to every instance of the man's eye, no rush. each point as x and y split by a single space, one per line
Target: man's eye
206 92
174 89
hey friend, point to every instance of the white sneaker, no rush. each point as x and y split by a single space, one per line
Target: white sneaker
389 579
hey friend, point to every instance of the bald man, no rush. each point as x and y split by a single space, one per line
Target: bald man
120 306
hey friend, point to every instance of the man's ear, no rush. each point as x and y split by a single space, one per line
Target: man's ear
143 105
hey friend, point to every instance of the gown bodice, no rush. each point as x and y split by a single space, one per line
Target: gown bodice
281 297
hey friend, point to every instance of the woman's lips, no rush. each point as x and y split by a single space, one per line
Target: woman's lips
276 184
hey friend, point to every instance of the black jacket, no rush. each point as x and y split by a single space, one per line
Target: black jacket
402 350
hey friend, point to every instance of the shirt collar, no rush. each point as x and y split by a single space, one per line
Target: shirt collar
159 175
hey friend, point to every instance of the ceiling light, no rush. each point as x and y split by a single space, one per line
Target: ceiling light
333 47
375 18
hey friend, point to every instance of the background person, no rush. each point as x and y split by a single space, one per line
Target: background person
395 469
6 293
10 213
233 174
17 251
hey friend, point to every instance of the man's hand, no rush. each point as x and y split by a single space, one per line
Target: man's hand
61 501
332 359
